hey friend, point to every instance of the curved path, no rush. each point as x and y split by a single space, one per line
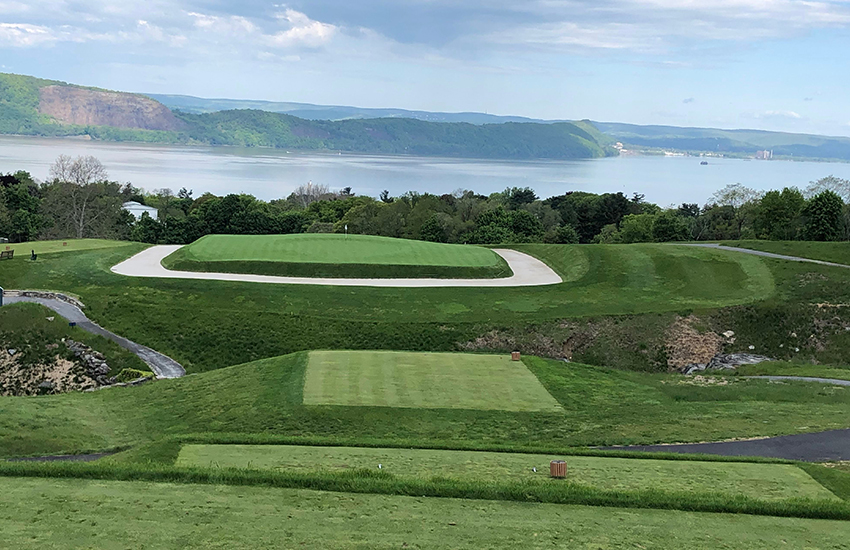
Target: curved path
766 254
528 271
814 447
161 365
833 381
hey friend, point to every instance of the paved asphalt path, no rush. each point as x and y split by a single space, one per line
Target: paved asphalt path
161 365
528 271
815 447
766 254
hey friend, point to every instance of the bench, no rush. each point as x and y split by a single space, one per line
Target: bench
7 254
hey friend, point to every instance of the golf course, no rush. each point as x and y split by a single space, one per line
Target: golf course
398 415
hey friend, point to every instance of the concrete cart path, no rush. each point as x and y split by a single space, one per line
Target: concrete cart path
766 254
528 271
161 365
833 381
814 447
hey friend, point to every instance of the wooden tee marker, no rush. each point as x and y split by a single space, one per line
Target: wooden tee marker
558 469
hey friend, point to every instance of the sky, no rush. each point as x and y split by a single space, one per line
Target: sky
767 64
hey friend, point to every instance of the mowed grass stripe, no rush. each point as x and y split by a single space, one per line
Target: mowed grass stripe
338 249
763 481
423 380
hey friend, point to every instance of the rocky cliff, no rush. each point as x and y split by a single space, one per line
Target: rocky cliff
85 107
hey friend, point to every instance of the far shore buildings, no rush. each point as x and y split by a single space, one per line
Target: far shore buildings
137 209
764 155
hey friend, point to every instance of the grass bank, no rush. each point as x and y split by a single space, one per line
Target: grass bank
835 252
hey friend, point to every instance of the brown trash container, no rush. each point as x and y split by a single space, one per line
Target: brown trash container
558 469
514 356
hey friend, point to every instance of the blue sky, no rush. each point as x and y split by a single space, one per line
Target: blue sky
770 64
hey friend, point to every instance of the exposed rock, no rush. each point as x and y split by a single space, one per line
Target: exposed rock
85 107
729 334
48 296
687 346
729 361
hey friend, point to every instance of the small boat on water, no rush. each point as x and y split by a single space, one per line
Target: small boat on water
704 163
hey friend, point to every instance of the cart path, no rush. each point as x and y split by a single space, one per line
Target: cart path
527 271
812 447
161 365
766 254
776 378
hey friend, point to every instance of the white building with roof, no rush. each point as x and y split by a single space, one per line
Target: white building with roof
137 209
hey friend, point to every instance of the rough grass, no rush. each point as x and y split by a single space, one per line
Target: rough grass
835 252
782 368
329 255
601 407
766 481
116 514
423 380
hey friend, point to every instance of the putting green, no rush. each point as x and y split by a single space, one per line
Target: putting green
331 255
764 481
423 380
338 249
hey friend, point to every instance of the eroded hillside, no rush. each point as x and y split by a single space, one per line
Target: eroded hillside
84 107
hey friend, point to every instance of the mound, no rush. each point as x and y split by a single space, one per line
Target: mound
331 255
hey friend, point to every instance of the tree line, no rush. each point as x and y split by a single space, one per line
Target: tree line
78 200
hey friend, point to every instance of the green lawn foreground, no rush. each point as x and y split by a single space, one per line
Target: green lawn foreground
423 380
763 481
72 513
333 255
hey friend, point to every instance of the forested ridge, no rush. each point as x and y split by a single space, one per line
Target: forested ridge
19 114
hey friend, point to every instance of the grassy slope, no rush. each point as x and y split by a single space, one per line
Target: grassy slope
135 515
211 324
603 406
423 380
313 255
26 328
837 252
771 481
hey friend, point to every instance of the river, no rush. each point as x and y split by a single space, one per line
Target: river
270 174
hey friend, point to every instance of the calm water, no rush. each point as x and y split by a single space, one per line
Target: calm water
270 174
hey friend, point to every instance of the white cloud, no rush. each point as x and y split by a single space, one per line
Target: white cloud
302 31
787 115
21 35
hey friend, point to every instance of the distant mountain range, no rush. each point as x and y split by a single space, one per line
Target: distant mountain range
32 106
309 111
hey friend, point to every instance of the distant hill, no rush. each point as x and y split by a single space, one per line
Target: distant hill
309 111
31 106
741 142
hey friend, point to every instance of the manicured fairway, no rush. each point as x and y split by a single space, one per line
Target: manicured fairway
423 380
22 250
65 513
336 255
764 481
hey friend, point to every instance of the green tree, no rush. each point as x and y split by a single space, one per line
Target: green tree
824 217
637 228
778 215
669 226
